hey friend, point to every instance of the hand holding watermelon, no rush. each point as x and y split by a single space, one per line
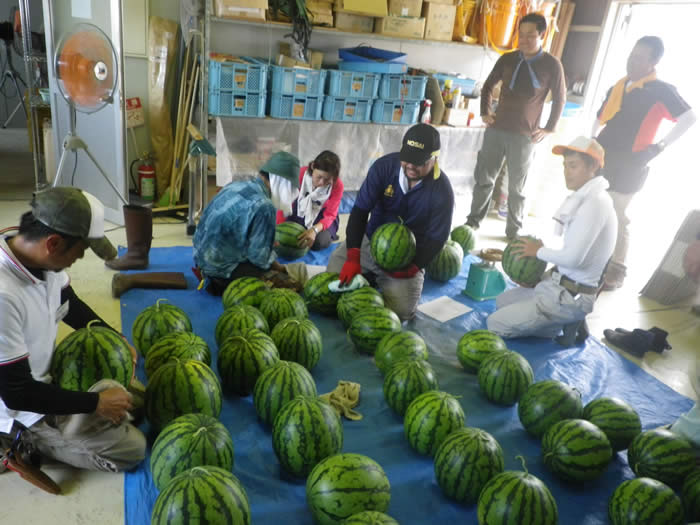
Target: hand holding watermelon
407 273
526 247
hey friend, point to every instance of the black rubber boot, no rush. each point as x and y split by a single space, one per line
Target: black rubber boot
138 221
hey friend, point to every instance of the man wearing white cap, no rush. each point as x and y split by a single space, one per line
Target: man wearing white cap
587 223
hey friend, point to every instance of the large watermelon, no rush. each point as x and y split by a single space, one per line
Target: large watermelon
396 346
318 297
407 380
465 461
645 501
352 302
190 441
244 290
90 354
278 385
474 346
526 271
447 263
281 303
156 321
547 402
306 430
183 345
465 237
370 325
237 319
203 495
430 418
345 484
370 517
661 455
691 496
298 340
504 377
242 358
576 450
393 246
617 419
287 235
180 387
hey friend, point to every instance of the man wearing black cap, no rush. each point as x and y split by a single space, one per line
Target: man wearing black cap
410 187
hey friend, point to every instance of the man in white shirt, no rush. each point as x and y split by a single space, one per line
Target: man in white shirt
587 223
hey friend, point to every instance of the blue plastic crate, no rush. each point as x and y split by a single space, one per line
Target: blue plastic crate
353 84
402 87
240 78
296 107
347 109
232 104
370 54
467 85
373 67
298 81
395 111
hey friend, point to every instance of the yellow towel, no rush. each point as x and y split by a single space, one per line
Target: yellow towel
344 398
614 103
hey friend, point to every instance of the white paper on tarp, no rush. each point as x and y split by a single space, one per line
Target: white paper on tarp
673 262
443 309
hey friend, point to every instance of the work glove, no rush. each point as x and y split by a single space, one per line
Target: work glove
406 273
352 266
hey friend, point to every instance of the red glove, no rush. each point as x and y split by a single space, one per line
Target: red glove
406 273
352 266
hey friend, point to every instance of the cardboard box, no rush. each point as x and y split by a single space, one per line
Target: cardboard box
399 26
445 2
353 23
254 9
315 58
410 8
439 20
363 7
320 5
321 19
456 117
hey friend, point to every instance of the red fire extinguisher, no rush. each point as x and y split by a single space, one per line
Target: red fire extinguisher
147 180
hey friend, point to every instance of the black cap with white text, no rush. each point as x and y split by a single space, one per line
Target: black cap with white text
420 142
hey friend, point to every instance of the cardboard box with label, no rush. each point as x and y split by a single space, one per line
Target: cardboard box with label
254 9
363 7
353 23
439 20
410 8
400 27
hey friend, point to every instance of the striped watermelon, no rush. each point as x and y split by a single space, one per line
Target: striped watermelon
370 517
90 354
370 325
430 418
280 303
474 346
287 235
447 263
237 319
393 246
306 430
156 321
190 441
318 297
242 358
278 385
203 495
576 450
465 237
396 346
183 345
407 380
465 461
298 340
617 419
181 387
691 496
526 271
547 402
661 455
345 484
244 290
504 377
645 501
352 302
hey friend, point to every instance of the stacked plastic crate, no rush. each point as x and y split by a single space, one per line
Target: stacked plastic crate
350 95
297 93
237 89
399 99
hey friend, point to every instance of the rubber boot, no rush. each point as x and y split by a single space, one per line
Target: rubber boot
138 221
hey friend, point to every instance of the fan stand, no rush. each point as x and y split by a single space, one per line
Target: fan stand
11 75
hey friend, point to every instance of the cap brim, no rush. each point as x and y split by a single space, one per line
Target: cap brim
412 156
560 150
104 249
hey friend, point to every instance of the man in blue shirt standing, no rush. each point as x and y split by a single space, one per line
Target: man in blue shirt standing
410 187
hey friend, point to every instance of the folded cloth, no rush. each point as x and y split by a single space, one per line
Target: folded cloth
344 398
357 282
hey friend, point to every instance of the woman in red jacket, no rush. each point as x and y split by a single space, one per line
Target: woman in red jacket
316 208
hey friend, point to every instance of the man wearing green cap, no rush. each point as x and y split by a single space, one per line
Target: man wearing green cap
235 235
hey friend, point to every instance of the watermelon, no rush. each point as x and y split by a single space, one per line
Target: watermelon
181 387
298 340
306 430
405 381
317 295
447 263
352 302
156 321
504 377
661 455
203 495
278 385
645 501
526 271
89 355
576 450
345 484
396 346
547 402
690 496
474 346
183 345
244 290
237 319
370 517
393 246
465 461
370 325
280 303
430 418
616 418
465 237
242 358
287 235
190 441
